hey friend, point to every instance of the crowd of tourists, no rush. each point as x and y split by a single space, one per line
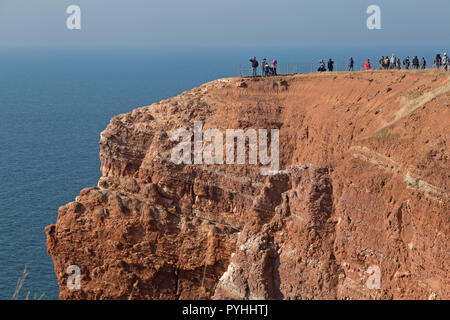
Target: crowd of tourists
385 63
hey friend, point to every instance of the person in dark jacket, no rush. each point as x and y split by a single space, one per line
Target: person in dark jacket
438 61
254 65
330 65
398 64
381 62
415 63
387 63
351 63
407 63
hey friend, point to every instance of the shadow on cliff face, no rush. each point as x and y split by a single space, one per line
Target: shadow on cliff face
274 259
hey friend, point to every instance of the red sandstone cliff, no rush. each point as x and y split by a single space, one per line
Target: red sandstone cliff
365 182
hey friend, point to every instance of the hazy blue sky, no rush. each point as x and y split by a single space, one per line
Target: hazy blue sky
158 23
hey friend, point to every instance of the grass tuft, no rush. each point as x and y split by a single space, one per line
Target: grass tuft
19 287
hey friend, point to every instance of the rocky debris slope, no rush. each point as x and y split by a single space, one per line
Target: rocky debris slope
364 183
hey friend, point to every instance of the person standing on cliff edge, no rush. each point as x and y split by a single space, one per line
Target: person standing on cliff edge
351 63
415 63
438 61
263 64
274 67
423 64
254 65
321 66
393 61
407 63
445 61
398 64
330 65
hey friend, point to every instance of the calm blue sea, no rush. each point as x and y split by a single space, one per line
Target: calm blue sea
55 103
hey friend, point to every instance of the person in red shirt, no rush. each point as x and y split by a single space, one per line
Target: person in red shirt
367 66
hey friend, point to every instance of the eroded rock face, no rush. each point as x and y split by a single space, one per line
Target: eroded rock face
364 182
